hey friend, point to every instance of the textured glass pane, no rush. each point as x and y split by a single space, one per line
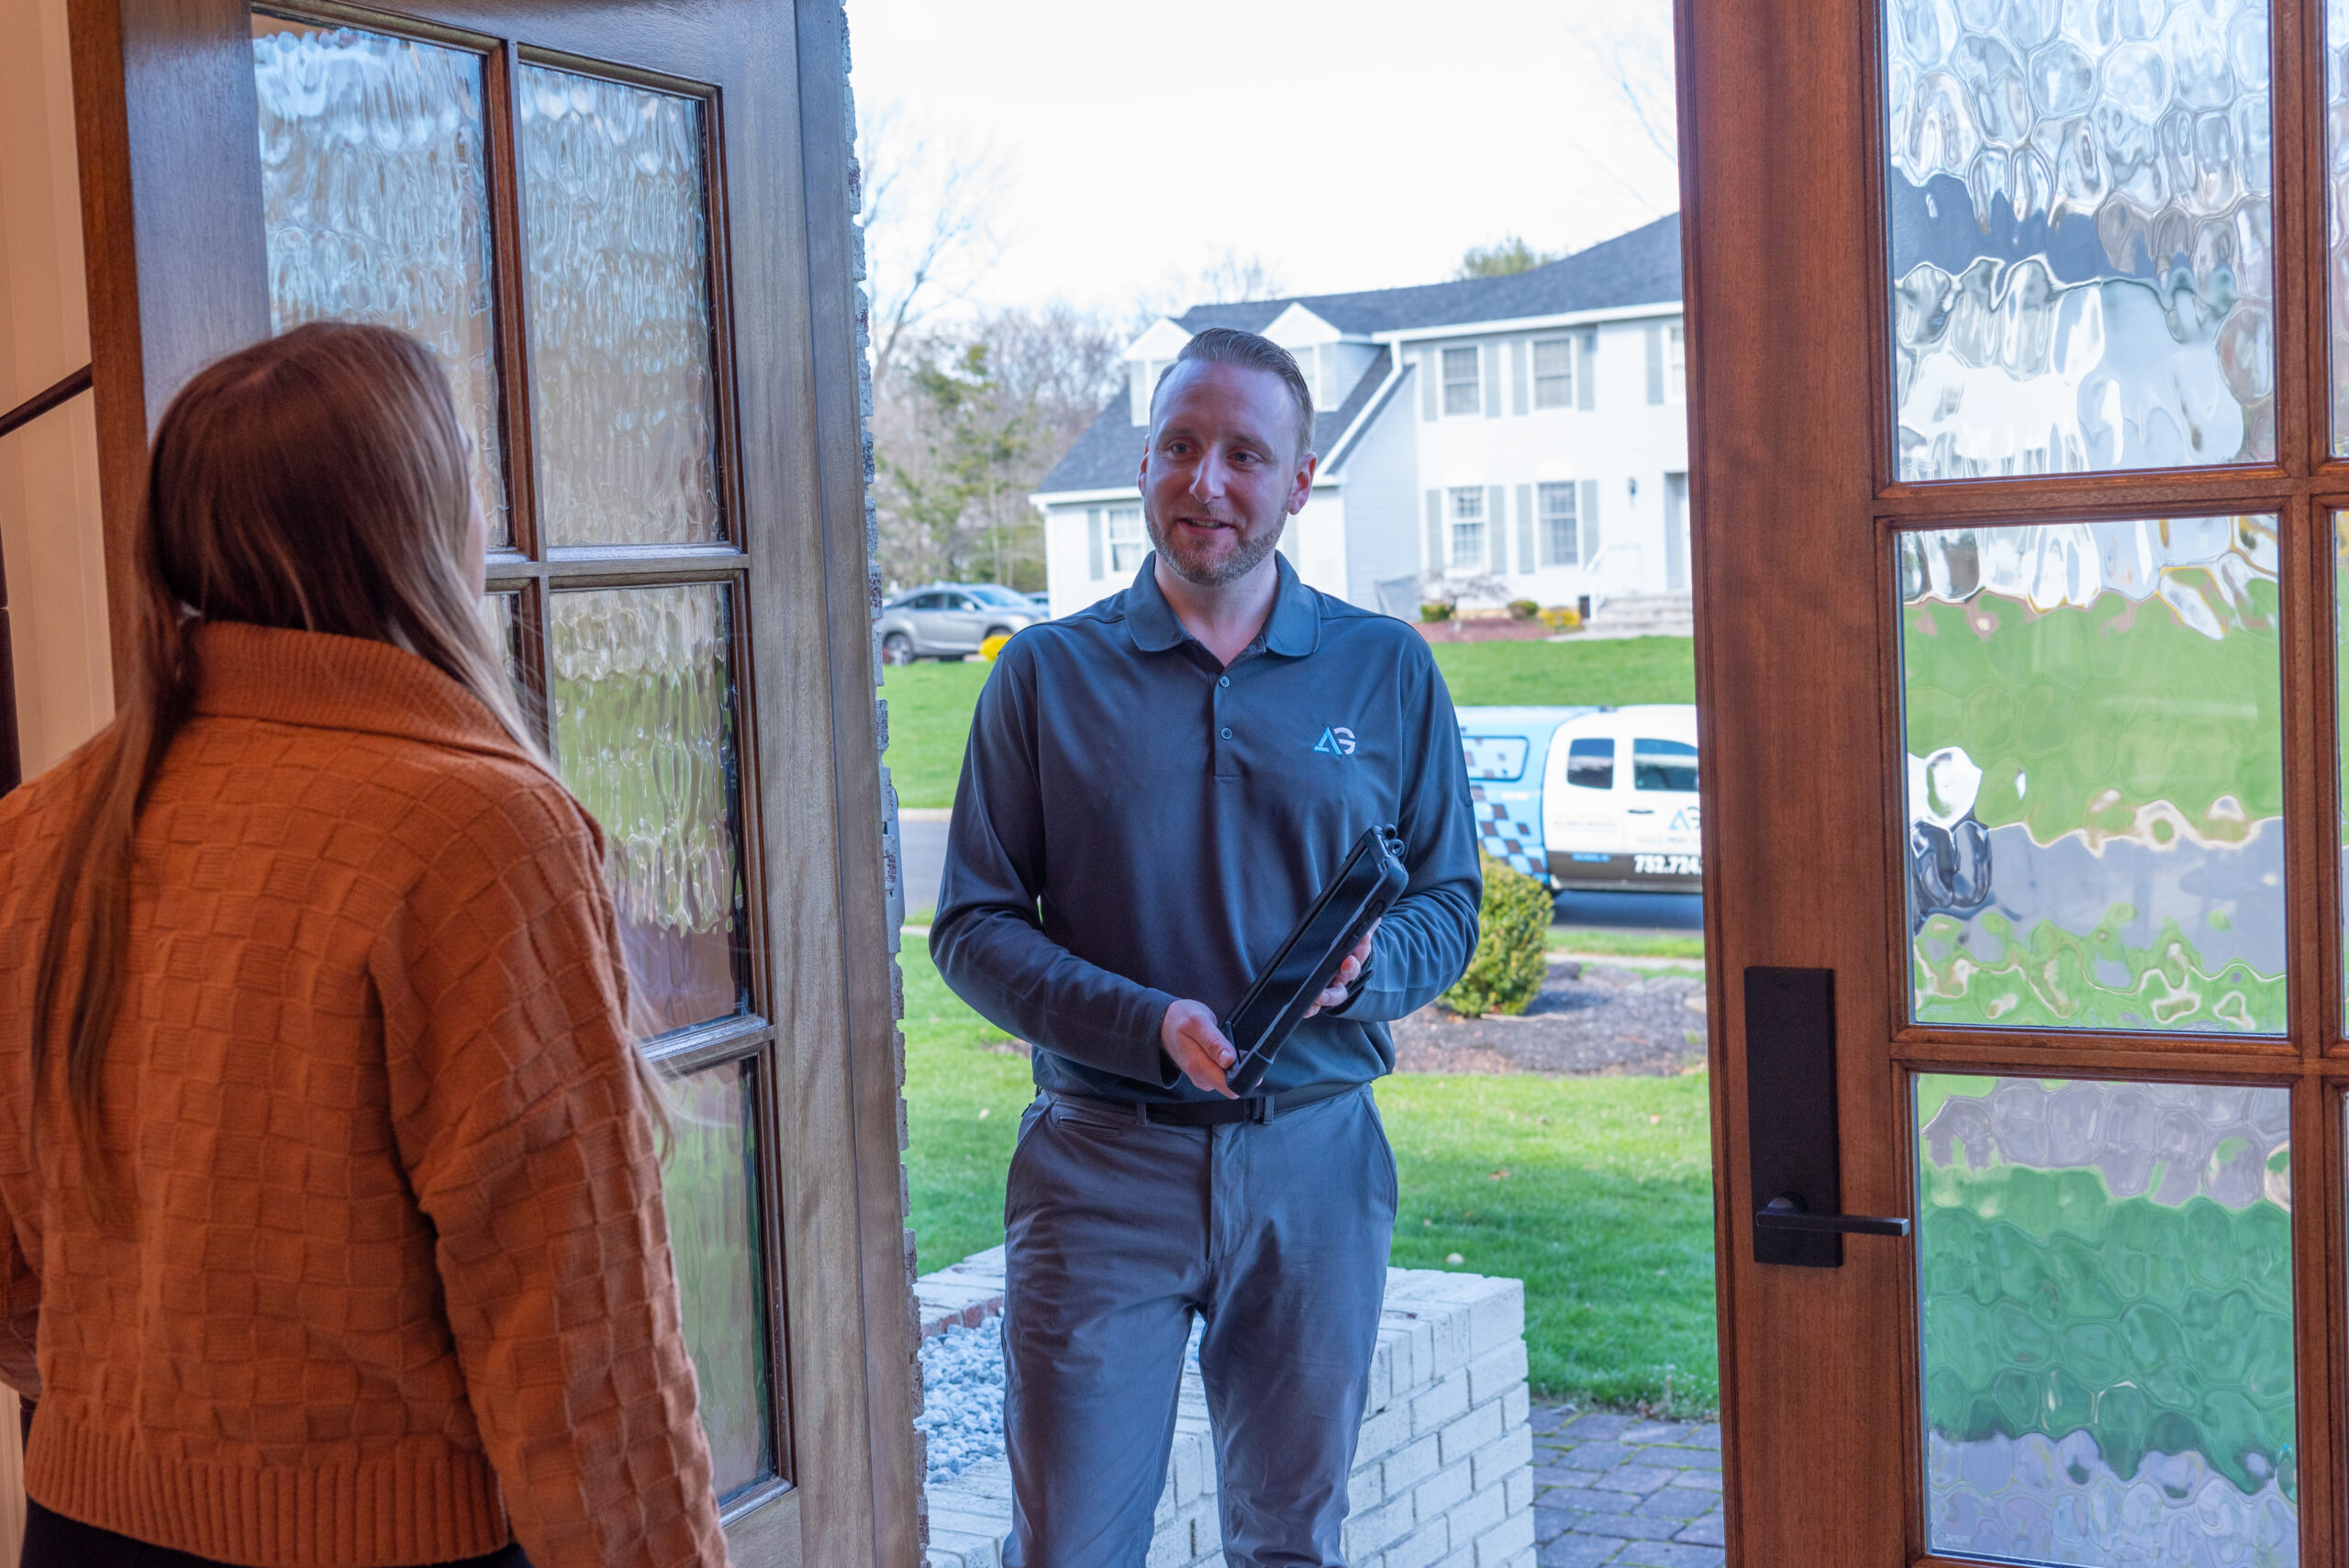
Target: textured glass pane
620 332
2093 718
2336 81
378 205
503 613
644 732
2082 248
2105 1294
2341 674
710 1184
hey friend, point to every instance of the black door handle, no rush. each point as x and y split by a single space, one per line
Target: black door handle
1786 1212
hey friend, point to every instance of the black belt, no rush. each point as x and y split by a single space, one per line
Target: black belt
1211 1113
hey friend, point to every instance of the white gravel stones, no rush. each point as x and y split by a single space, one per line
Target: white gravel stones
962 1395
961 1398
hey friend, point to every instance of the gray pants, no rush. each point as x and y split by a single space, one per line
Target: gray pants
1275 1233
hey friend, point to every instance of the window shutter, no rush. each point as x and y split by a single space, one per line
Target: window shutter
1490 356
1496 528
1587 520
1587 368
1655 361
1526 559
1435 531
1429 376
1518 401
1092 539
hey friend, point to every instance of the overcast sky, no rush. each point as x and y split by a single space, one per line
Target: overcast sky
1350 143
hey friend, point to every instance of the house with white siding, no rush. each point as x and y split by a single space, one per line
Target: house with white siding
1528 429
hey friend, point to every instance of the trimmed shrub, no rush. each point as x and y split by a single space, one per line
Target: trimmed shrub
1523 610
1564 618
1512 957
1435 609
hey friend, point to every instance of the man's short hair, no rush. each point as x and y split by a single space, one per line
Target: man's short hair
1230 346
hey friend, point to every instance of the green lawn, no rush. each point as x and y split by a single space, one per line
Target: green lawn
1615 671
930 704
1628 944
1596 1192
929 718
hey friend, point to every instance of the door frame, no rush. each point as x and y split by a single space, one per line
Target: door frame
166 117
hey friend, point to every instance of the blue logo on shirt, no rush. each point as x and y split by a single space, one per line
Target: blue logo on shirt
1338 742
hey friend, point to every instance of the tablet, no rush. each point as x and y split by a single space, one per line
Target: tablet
1365 887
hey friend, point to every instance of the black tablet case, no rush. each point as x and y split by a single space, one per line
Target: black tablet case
1365 887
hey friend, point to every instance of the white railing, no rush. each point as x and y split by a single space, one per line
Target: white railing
1605 581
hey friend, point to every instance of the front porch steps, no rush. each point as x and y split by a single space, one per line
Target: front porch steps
1645 615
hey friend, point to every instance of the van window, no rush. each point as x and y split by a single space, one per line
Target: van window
1663 764
1591 764
1501 758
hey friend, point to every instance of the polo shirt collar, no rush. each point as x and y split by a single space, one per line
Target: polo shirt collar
1293 629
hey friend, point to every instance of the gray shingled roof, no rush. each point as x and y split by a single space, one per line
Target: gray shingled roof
1639 268
1107 455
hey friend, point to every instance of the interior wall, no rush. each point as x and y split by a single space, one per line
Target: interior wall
51 544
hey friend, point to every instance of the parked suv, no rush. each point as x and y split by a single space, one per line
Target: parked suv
946 620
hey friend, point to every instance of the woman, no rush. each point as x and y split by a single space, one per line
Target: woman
329 1172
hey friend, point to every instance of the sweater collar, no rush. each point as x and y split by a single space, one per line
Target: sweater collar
326 682
1293 629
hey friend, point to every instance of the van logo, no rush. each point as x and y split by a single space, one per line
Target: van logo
1338 741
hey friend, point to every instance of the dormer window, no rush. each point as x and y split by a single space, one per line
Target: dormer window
1309 362
1316 362
1145 384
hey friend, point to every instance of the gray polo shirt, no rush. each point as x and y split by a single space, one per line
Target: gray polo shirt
1137 823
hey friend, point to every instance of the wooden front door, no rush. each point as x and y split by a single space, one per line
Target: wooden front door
2019 487
627 230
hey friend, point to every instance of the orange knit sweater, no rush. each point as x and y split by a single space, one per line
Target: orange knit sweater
395 1284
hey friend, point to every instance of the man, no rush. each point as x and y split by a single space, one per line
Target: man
1154 792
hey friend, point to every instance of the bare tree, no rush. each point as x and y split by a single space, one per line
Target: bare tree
1633 52
1062 363
1226 279
966 428
1232 277
930 236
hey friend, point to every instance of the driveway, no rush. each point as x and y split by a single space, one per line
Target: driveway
921 846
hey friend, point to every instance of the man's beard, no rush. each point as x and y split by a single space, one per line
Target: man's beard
1202 571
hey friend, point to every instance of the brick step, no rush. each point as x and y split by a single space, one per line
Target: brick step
1443 1473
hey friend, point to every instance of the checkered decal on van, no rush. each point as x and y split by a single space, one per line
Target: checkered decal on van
1506 836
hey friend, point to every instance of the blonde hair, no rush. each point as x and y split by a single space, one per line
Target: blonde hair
315 482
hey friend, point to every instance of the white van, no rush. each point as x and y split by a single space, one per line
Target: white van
1619 801
1593 799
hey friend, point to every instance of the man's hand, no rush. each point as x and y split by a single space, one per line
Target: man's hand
1334 993
1189 1035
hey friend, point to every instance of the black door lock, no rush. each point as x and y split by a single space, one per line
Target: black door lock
1791 1124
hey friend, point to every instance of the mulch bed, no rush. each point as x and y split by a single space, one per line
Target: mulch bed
1482 630
1590 1020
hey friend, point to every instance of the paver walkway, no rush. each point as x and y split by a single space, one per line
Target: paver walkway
1621 1491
